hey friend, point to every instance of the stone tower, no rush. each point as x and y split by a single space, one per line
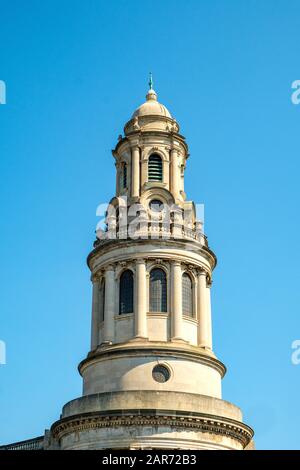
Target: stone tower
151 379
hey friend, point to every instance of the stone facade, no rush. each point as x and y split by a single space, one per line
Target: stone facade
151 379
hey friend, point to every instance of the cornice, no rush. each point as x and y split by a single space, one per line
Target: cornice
128 349
120 142
140 417
162 243
140 134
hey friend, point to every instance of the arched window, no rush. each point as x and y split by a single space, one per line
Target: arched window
158 290
187 295
126 292
155 169
102 299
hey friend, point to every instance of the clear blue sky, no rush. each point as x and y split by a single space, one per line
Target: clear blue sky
74 73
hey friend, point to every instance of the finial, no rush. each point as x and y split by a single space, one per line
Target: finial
150 81
151 95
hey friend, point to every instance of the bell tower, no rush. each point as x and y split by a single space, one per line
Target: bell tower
152 156
151 379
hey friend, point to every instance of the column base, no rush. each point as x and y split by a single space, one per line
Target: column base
207 348
105 343
177 339
139 338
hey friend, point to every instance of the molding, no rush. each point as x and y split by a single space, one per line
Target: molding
141 136
165 261
117 418
110 245
158 314
161 349
158 149
123 316
190 319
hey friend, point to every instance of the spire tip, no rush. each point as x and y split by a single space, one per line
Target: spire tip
150 81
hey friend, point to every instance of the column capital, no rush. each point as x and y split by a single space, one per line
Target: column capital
176 263
201 271
140 261
110 267
174 143
134 146
95 278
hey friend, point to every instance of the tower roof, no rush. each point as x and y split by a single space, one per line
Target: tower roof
151 107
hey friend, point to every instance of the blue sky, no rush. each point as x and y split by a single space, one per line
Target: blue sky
74 72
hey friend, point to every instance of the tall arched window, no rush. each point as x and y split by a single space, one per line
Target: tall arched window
158 290
155 168
126 292
187 295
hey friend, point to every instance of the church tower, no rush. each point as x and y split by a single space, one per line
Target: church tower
151 379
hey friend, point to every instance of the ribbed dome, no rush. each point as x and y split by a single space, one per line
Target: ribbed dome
151 107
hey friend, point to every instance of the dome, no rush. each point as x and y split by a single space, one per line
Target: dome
151 107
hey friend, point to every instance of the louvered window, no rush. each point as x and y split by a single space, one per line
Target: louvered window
187 295
155 171
158 291
126 292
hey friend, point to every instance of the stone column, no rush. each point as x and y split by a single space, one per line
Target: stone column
95 314
175 176
117 178
204 338
135 171
176 295
182 169
140 308
109 305
208 303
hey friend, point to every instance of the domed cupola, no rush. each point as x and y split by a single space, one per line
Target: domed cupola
151 116
151 107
